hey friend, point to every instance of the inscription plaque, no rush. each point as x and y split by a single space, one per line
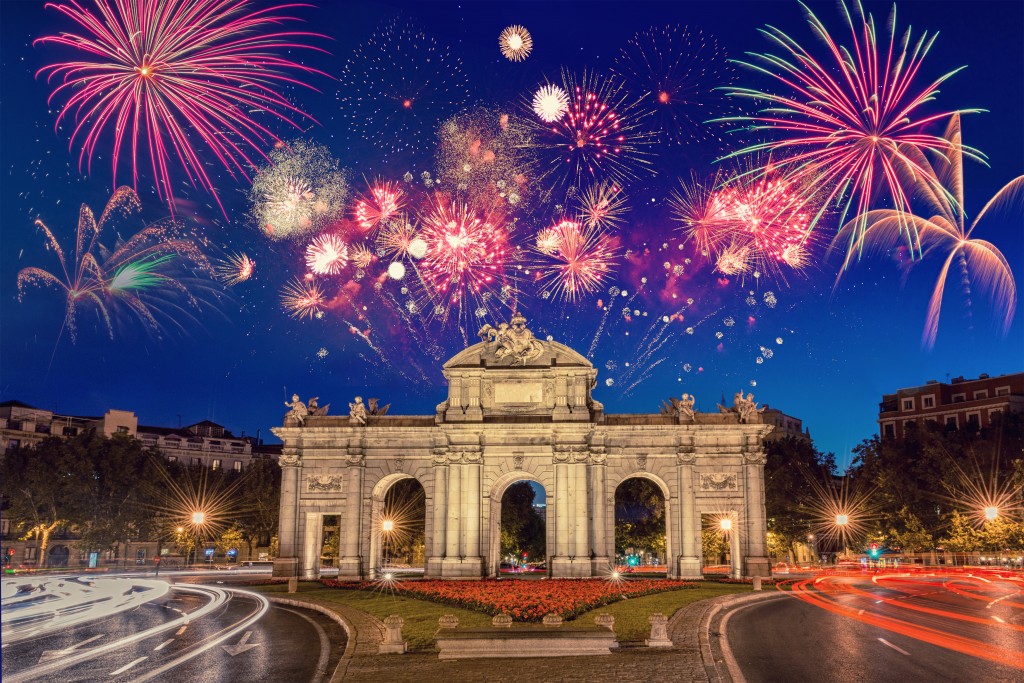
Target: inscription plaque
518 392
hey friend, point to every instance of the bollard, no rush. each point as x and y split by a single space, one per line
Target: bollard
448 621
293 584
757 583
659 631
605 620
393 643
501 621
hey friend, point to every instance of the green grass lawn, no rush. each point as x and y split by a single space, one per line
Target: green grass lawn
421 616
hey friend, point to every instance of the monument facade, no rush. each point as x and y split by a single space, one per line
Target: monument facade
519 409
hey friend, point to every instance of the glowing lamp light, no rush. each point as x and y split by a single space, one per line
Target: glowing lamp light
842 520
726 524
387 525
198 518
991 513
181 530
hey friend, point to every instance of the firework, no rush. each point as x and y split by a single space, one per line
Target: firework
361 256
550 103
547 241
300 190
515 43
235 269
846 124
138 274
466 251
483 153
398 85
734 259
302 298
397 238
600 136
382 201
158 75
602 206
980 263
681 70
327 254
581 262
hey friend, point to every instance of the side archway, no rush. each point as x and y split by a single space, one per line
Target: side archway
397 524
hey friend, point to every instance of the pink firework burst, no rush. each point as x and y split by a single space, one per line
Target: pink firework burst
160 75
466 249
327 254
381 202
580 263
302 298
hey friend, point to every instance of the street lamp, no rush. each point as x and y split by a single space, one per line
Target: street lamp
387 526
726 524
198 518
842 520
991 513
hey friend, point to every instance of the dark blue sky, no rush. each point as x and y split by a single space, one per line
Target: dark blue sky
842 348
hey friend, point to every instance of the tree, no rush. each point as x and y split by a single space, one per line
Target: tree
43 487
961 536
793 472
522 529
910 536
639 517
713 544
260 494
231 539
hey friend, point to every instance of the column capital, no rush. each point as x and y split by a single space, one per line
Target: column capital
290 458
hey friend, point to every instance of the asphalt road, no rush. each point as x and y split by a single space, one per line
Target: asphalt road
906 627
201 634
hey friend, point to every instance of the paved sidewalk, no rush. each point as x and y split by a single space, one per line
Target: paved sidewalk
689 660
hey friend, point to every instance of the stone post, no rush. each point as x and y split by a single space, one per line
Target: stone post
393 643
286 564
757 583
351 566
659 631
440 518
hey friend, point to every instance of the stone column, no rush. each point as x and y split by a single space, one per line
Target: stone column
351 565
312 545
453 532
688 565
287 562
560 555
439 518
597 470
735 556
581 535
755 561
472 561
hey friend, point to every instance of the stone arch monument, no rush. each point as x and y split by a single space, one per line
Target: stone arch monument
519 408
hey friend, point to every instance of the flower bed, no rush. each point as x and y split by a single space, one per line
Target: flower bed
525 600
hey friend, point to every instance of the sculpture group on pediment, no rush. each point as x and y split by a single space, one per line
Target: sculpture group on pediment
513 340
297 413
315 409
680 408
357 412
744 408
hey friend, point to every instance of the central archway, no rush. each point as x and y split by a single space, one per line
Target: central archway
537 550
641 517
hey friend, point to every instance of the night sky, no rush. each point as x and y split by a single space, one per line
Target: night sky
842 345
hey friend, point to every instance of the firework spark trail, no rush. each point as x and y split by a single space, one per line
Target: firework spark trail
381 356
235 269
159 73
382 201
580 264
849 133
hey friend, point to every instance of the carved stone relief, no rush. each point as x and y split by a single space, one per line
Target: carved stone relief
718 482
324 482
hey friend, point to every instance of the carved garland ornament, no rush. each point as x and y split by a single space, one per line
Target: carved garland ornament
289 460
718 482
324 482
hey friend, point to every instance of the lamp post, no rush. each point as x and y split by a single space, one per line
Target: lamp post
198 522
387 527
842 521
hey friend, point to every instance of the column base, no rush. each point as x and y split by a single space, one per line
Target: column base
601 566
433 568
689 567
757 566
350 569
464 568
286 567
570 568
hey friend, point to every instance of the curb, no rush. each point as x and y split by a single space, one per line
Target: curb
350 631
712 666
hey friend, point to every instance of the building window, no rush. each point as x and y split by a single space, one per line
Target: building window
13 443
31 554
1002 391
993 412
974 420
951 422
959 398
237 466
981 394
172 458
197 461
889 429
215 465
70 431
908 404
122 430
928 402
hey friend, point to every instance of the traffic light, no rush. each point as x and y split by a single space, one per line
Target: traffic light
873 550
633 561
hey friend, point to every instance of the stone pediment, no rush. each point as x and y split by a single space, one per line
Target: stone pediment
485 355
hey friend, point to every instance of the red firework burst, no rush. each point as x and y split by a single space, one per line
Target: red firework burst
580 263
160 74
382 201
466 249
327 254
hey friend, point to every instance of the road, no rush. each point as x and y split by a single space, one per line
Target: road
186 632
884 627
